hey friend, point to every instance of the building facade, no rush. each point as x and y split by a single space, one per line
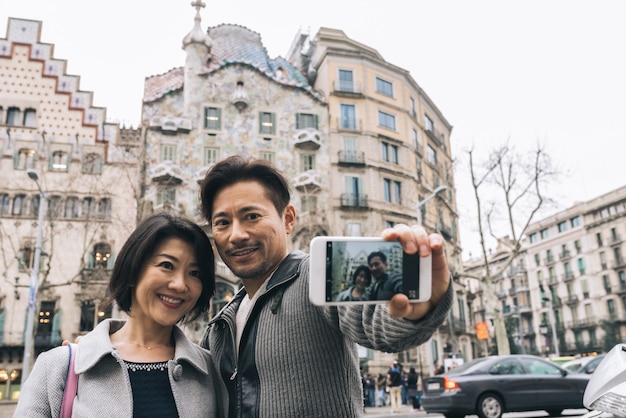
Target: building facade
86 170
567 288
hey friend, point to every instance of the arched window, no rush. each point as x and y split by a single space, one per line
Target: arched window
24 158
104 208
59 160
34 205
71 207
5 204
18 205
13 116
89 208
30 118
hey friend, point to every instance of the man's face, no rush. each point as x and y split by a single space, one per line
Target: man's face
250 235
378 267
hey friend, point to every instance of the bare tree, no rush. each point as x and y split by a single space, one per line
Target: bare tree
509 189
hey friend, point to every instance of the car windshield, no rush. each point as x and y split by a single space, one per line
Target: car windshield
466 366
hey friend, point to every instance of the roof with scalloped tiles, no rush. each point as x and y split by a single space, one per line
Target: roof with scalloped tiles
233 44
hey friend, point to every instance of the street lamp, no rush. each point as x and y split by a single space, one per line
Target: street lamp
429 344
34 279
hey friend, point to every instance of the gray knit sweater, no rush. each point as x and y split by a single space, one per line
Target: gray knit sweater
300 360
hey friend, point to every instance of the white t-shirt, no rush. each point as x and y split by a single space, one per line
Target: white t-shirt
245 307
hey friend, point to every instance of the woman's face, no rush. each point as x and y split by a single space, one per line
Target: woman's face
361 280
169 286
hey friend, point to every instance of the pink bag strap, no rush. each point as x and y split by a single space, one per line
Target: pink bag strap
71 384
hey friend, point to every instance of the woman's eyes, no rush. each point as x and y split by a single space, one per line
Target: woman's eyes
167 265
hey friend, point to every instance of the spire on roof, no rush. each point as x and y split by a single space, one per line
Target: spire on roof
197 35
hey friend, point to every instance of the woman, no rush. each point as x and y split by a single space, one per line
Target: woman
361 279
144 366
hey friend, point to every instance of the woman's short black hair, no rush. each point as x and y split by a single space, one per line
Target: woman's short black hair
141 245
368 274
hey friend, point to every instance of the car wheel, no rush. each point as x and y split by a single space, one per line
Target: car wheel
490 406
555 412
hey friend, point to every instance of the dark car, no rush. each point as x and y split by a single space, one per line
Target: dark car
490 386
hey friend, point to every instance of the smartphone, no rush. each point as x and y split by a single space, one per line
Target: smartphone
365 270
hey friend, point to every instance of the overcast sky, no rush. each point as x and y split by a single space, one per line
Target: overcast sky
549 71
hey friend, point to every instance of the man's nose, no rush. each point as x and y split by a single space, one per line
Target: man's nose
238 231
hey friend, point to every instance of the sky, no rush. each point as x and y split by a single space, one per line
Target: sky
549 72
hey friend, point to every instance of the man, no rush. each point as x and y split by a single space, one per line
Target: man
280 355
394 378
385 285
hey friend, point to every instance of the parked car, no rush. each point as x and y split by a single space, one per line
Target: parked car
491 386
591 365
577 363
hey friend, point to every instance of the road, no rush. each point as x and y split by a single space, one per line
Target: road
7 409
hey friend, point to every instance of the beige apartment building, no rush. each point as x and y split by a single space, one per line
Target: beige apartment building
571 279
85 169
389 152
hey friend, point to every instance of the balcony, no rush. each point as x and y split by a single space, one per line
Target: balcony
571 300
310 181
308 139
347 89
567 276
584 323
351 158
549 261
619 263
356 201
615 240
565 255
621 289
167 173
436 136
501 294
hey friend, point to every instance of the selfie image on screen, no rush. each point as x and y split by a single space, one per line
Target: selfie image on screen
363 271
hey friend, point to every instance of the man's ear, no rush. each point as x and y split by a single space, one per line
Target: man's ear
289 217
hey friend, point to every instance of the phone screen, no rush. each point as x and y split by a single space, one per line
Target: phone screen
369 271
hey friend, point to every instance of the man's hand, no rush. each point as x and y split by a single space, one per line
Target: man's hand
414 239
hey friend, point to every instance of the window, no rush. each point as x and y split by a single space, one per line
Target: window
19 202
562 226
34 205
30 118
89 208
346 81
432 155
168 152
26 257
92 163
354 191
348 116
413 107
71 207
599 239
309 203
549 256
59 160
389 152
392 191
416 143
267 155
213 118
54 207
581 265
428 124
533 237
384 87
211 155
353 229
585 287
603 264
267 122
578 246
614 235
350 149
544 233
386 120
607 283
307 162
25 158
13 116
617 254
306 120
575 221
537 260
389 224
610 306
104 209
